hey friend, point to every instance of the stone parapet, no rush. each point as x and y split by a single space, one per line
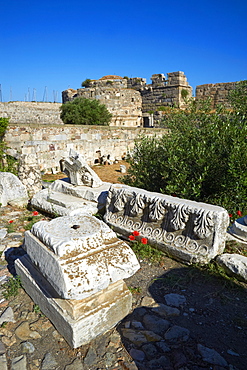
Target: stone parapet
31 112
189 231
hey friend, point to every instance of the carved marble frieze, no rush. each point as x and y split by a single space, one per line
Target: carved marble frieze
190 231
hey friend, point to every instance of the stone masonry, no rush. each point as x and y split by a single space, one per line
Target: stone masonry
123 103
31 112
48 145
217 92
129 98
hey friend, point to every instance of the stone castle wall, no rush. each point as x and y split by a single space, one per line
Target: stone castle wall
31 112
124 104
129 98
46 145
217 92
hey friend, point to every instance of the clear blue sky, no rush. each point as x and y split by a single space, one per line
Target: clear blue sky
52 45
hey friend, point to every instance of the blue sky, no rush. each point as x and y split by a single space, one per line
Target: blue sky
48 46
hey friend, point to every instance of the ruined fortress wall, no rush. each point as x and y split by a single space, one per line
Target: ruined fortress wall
217 92
47 145
124 104
31 112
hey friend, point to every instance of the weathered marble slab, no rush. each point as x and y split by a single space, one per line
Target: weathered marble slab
78 321
79 171
234 264
61 204
79 255
189 231
62 198
12 191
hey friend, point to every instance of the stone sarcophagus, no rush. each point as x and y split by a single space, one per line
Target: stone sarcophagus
189 231
74 270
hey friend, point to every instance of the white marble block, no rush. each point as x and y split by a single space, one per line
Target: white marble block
79 255
78 321
189 231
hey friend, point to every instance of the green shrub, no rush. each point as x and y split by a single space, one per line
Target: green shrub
7 162
86 83
203 158
81 111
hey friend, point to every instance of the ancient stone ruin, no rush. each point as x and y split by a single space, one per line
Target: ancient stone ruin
189 231
131 101
74 270
82 192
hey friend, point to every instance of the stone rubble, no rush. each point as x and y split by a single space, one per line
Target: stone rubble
148 339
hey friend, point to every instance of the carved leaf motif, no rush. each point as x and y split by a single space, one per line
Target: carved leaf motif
203 223
120 199
136 204
180 216
156 210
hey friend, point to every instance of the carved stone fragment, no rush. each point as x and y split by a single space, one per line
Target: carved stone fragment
189 231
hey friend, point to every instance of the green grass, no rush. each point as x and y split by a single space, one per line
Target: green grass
11 287
147 252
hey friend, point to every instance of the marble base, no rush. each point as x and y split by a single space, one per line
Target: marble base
239 229
78 321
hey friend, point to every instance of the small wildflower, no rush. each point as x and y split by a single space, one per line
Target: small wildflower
11 221
131 237
239 213
136 233
35 213
230 215
144 240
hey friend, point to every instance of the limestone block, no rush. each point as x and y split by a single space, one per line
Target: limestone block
189 231
77 321
234 264
12 191
79 255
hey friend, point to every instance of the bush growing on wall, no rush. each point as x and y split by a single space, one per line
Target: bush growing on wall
81 111
203 158
7 162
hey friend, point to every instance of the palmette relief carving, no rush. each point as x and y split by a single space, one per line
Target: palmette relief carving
203 223
180 216
137 204
157 209
119 199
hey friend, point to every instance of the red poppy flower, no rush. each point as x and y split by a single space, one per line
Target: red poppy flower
35 213
11 221
230 215
131 237
136 233
144 240
239 213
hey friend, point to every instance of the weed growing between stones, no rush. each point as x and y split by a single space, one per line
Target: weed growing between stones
135 290
11 287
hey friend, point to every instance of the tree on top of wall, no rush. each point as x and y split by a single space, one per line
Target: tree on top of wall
86 83
81 111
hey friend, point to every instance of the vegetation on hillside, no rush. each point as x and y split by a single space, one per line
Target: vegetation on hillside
202 158
81 111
